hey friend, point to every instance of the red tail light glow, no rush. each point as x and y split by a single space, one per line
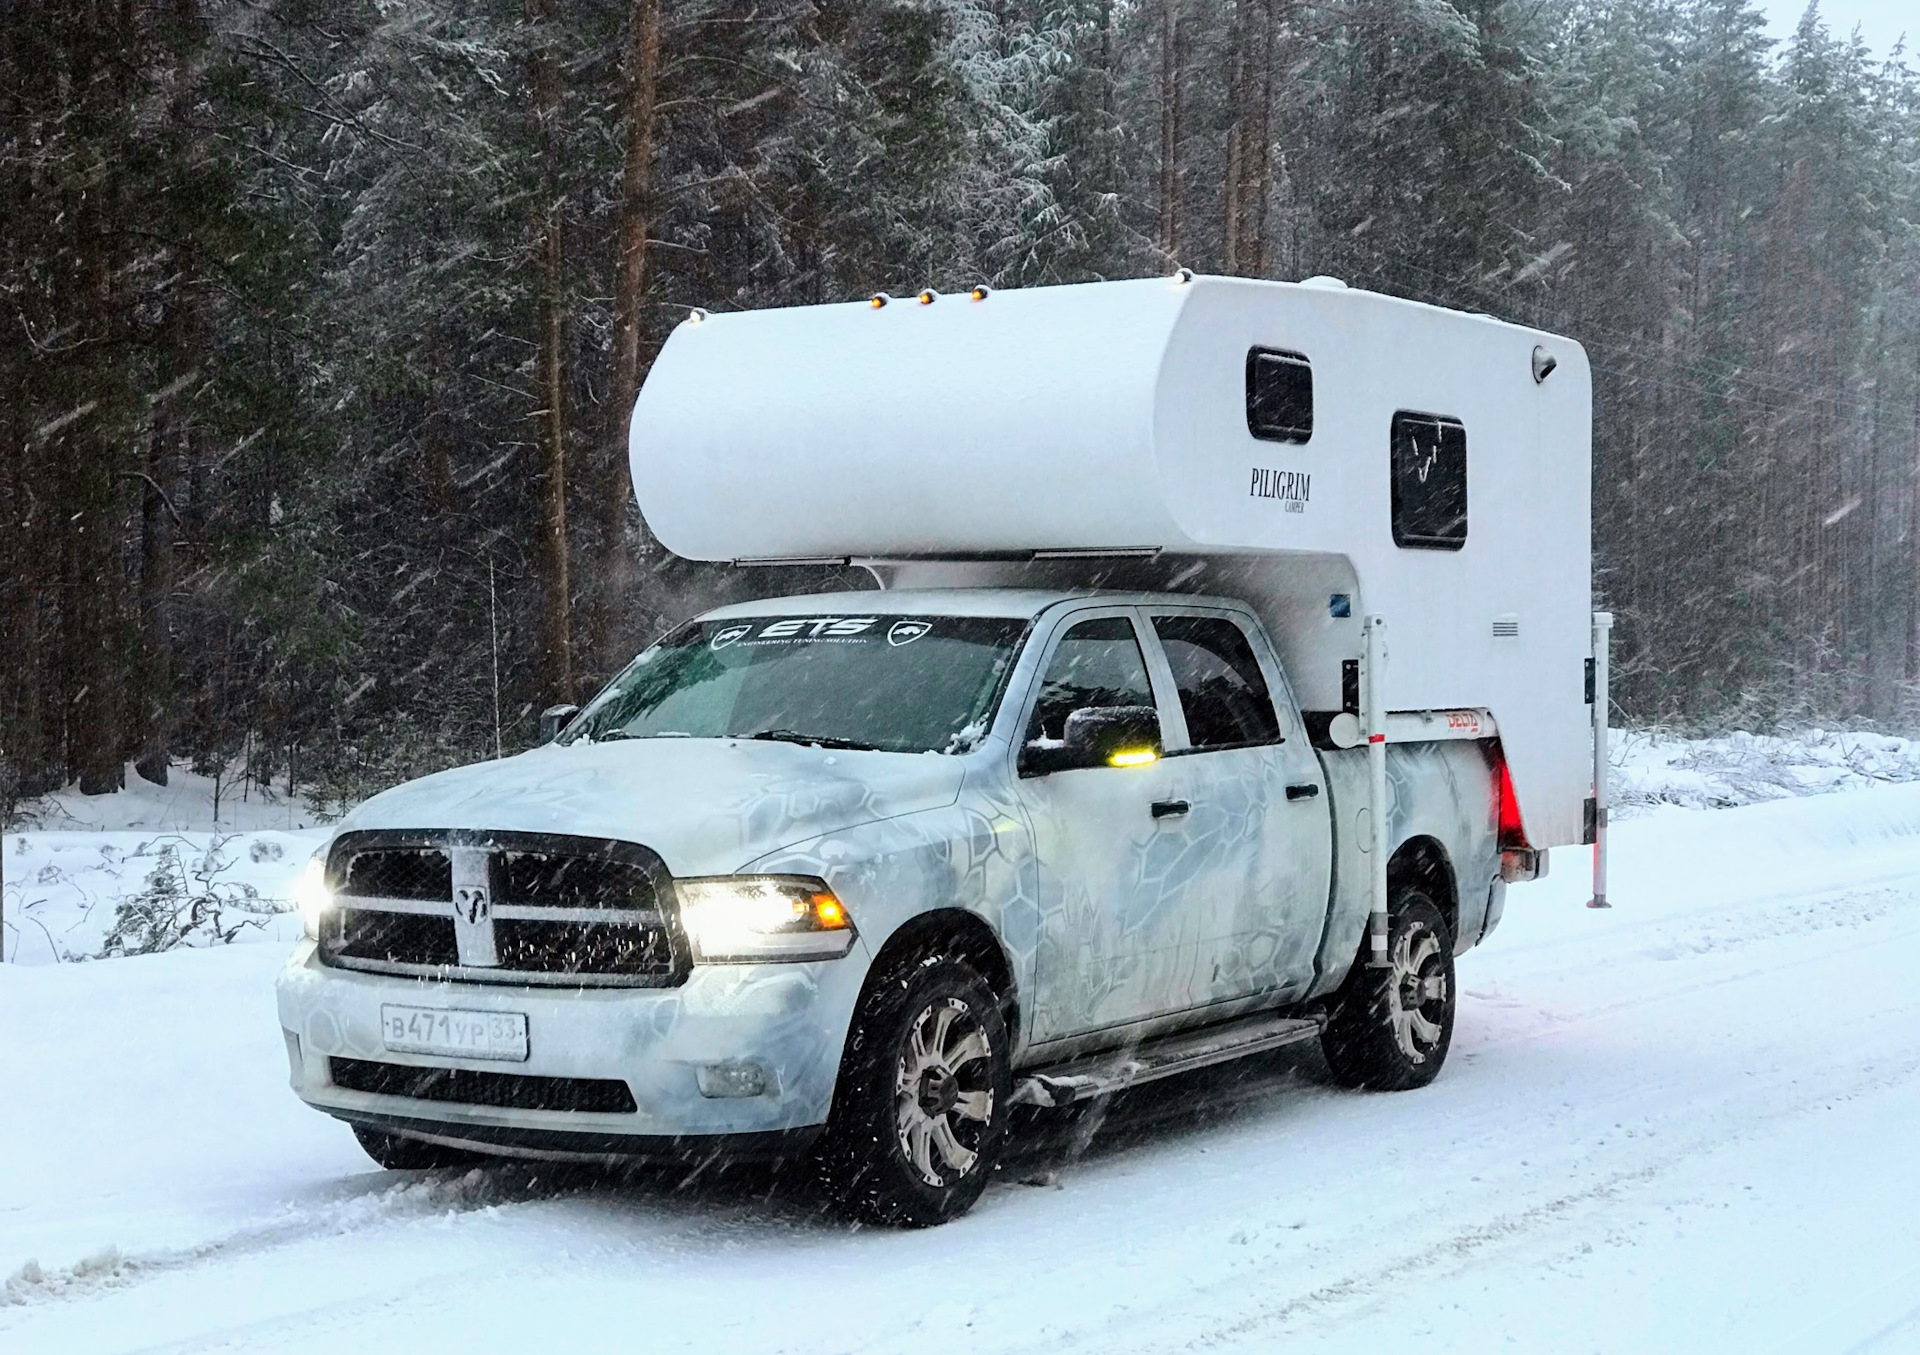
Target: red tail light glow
1513 833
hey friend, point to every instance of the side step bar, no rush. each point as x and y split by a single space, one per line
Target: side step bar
1115 1070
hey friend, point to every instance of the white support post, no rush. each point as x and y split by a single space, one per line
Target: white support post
1602 642
1374 700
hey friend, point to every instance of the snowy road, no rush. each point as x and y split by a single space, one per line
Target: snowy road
1685 1125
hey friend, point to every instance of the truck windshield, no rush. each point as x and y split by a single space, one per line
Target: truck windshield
900 684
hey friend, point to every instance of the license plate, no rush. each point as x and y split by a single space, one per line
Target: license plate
467 1035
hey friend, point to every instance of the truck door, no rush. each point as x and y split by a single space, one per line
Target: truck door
1117 942
1260 821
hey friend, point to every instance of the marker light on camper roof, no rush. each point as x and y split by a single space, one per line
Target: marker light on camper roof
878 299
980 293
1133 757
695 316
928 297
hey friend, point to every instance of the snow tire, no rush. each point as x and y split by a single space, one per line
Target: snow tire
1389 1029
920 1111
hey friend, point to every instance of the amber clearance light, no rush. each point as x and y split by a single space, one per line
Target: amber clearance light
1133 757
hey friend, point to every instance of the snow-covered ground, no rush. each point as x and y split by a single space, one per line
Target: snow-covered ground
1652 768
1686 1124
108 874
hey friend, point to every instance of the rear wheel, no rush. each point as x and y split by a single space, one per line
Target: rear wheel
397 1153
1389 1029
920 1112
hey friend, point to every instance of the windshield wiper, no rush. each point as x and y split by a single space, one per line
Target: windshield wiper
817 740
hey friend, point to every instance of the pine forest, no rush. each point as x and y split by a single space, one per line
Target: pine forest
320 322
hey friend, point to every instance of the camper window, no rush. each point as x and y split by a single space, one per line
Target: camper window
1279 395
1429 481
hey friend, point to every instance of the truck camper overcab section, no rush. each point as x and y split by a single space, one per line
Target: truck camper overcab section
1231 654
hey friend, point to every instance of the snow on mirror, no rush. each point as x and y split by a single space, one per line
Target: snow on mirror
898 684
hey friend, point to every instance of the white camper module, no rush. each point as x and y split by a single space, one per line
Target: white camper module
1325 454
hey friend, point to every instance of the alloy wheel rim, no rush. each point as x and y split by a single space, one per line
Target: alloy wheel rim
943 1100
1417 996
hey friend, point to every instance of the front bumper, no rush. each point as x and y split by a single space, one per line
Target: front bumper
790 1020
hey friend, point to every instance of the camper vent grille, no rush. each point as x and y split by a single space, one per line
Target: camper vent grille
1506 627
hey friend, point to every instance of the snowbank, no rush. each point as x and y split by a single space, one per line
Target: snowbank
184 804
152 868
1652 767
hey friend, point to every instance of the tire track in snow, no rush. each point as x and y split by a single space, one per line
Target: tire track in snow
478 1190
1361 1287
1750 1108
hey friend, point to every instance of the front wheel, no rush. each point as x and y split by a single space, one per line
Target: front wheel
920 1113
1389 1029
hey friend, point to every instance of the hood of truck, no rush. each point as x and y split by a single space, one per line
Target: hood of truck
707 806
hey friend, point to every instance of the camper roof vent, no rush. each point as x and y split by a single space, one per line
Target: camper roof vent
1506 626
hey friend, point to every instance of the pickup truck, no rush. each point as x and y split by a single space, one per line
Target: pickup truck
852 876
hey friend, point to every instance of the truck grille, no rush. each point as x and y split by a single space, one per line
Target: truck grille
405 874
502 907
464 1086
396 938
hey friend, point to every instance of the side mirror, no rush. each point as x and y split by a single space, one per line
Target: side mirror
554 719
1098 736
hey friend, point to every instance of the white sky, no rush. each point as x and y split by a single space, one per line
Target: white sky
1881 21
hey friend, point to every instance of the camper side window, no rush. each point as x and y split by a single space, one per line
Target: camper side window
1429 481
1279 395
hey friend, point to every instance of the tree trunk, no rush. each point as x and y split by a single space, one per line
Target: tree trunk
169 432
1170 130
1236 131
156 597
624 536
90 613
556 624
436 443
1249 150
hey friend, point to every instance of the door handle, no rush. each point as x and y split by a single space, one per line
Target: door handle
1170 809
1306 792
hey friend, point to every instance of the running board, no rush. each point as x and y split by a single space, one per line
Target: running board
1103 1074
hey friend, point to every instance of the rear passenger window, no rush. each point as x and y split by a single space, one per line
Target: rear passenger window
1098 664
1222 692
1279 395
1429 481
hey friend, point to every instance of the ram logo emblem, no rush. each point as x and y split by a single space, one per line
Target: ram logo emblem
472 905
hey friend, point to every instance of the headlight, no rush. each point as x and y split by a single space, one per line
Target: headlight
311 896
763 917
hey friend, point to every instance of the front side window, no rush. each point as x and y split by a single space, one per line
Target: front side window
1429 481
1279 395
1096 664
1222 691
901 684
